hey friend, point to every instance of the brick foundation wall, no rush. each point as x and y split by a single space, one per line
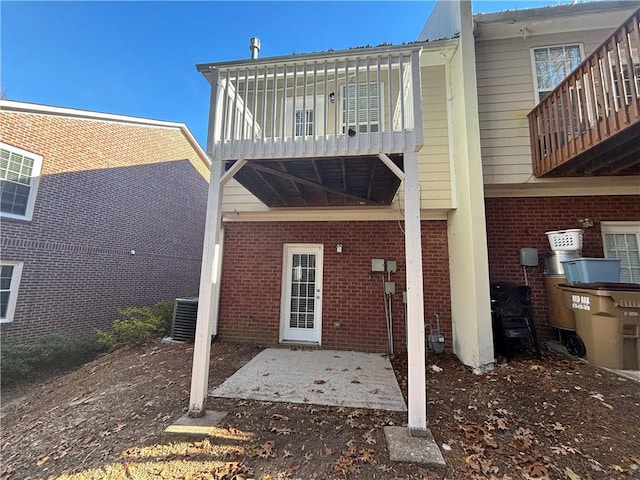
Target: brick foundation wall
513 223
106 188
352 295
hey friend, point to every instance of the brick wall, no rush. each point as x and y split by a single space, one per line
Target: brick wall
352 295
106 189
513 223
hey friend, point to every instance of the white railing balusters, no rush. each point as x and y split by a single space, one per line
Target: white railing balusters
363 103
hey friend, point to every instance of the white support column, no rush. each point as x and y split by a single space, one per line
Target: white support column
415 299
209 294
207 303
416 84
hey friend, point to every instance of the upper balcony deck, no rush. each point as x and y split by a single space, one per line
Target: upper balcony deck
363 101
590 123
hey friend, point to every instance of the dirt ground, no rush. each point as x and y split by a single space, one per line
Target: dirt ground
554 418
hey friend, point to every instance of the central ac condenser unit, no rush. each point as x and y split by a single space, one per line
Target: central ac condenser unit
185 313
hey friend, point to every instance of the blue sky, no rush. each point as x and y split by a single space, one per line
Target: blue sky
138 58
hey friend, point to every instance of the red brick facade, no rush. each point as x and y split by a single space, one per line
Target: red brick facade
513 223
352 295
106 188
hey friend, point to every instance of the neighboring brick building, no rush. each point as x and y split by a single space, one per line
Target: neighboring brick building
114 219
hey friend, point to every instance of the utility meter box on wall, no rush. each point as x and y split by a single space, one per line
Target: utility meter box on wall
377 264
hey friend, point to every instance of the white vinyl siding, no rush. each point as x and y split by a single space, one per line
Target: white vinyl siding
10 273
19 176
506 94
621 240
551 65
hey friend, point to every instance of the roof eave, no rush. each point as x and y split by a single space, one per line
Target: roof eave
445 44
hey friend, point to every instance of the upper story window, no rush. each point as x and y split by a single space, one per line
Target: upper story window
622 240
551 65
304 117
10 273
304 123
19 176
361 102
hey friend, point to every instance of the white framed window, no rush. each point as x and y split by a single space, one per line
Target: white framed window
304 123
622 240
19 178
305 120
10 273
551 65
361 102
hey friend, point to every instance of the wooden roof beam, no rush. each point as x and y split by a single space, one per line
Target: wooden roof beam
315 169
268 184
294 184
303 181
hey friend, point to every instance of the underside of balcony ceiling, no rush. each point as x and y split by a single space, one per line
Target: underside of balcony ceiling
321 182
618 155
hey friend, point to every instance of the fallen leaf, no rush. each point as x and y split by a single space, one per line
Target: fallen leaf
327 451
119 427
536 471
319 382
366 456
558 427
571 474
42 460
277 416
369 437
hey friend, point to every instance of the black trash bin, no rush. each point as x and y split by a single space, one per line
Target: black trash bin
512 319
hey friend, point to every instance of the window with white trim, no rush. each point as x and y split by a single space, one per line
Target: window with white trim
304 126
10 273
306 119
19 177
551 65
621 240
361 102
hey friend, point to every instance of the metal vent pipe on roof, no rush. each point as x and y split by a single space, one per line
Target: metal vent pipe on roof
254 46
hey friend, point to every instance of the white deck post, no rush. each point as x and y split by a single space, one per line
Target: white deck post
206 324
417 394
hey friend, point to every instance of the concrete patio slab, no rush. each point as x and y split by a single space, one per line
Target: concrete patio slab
422 450
319 377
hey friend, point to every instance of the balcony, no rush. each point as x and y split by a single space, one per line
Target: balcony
590 124
318 129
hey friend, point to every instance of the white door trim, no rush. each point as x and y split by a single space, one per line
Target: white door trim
288 249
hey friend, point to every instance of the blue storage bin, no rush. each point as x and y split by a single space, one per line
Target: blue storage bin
592 270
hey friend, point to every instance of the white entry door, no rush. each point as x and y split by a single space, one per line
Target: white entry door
301 310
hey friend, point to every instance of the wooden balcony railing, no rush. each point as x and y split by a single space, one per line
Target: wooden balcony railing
595 104
360 102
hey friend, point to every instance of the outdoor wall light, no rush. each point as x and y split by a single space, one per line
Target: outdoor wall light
339 248
332 97
585 222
